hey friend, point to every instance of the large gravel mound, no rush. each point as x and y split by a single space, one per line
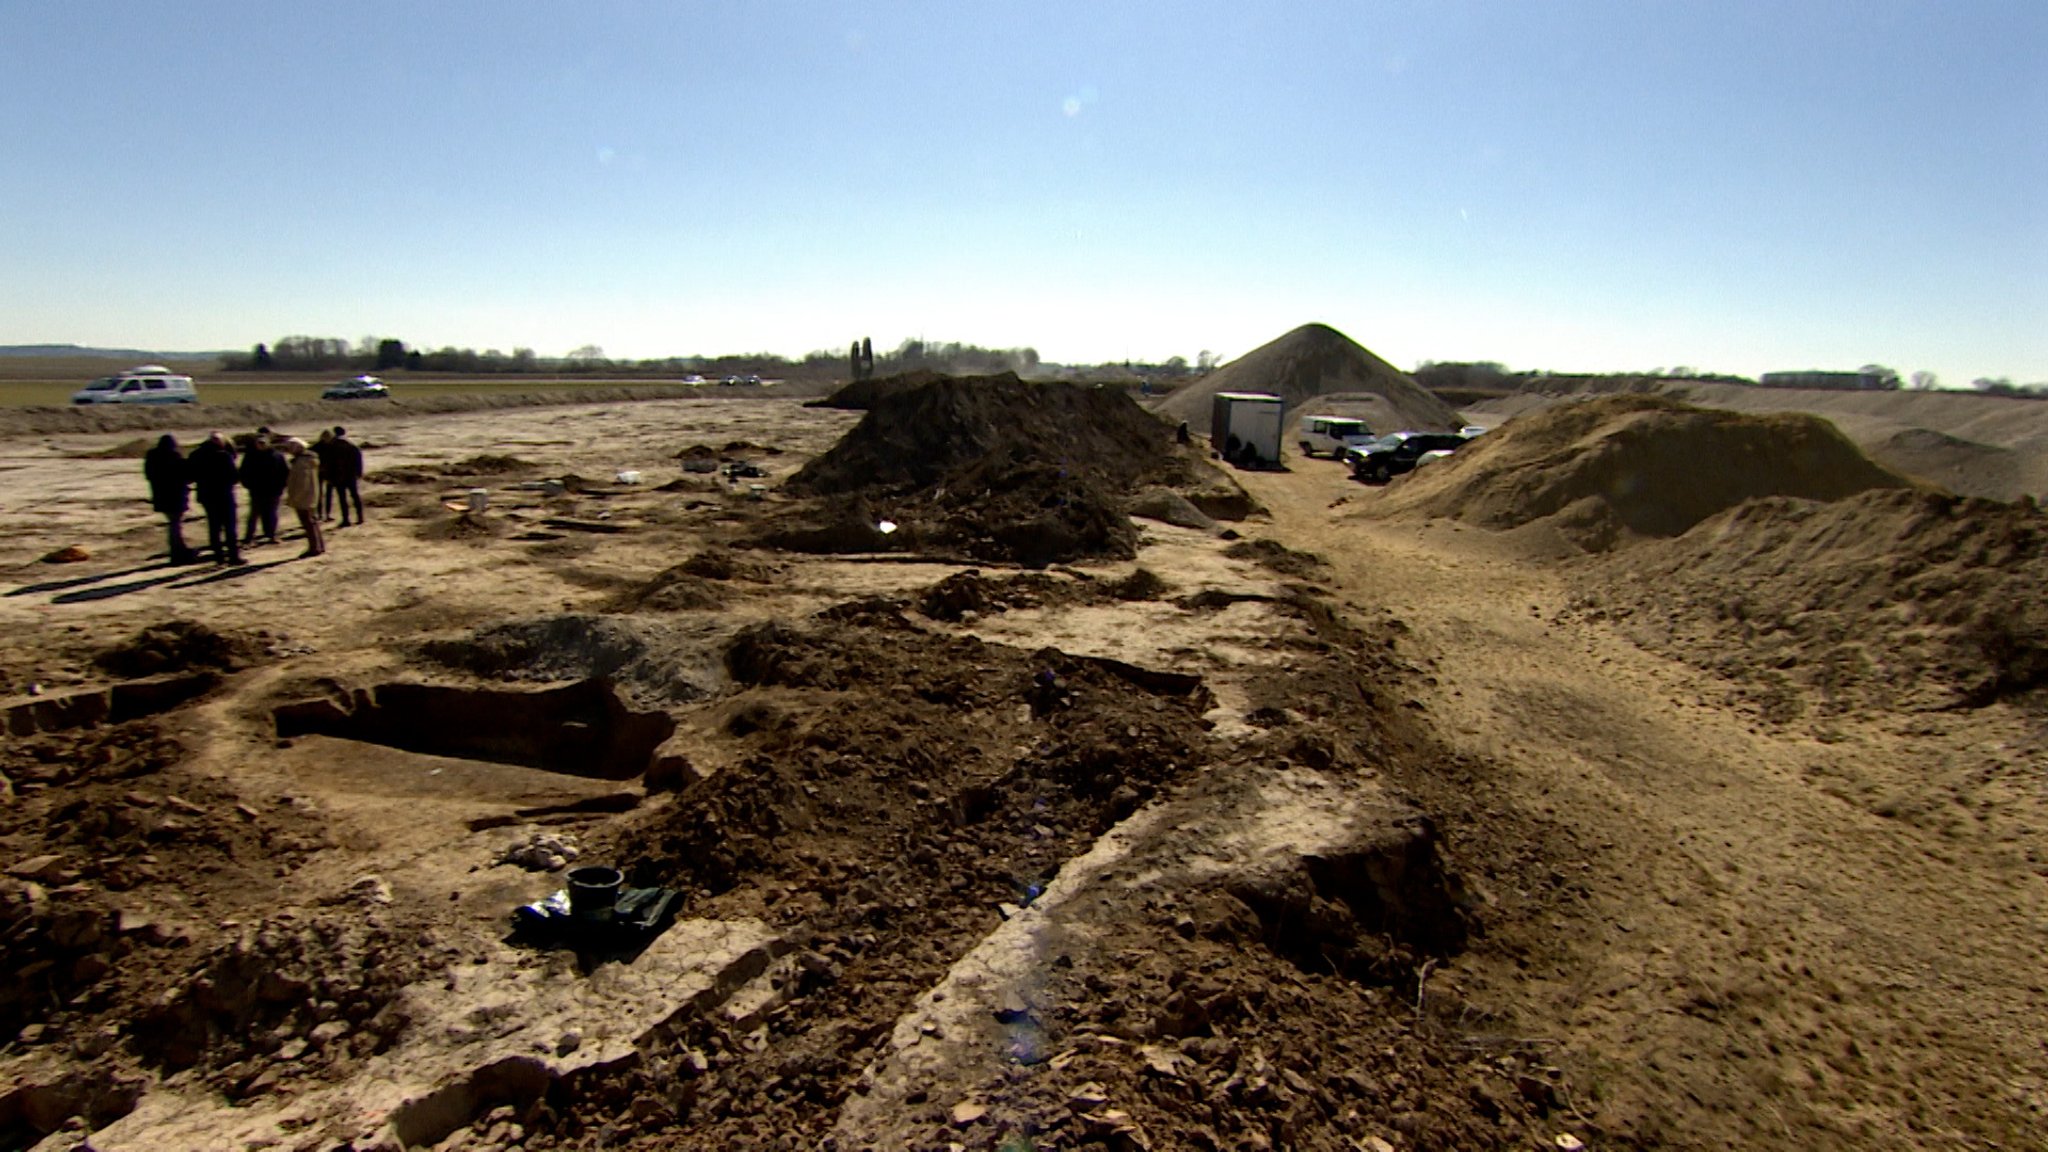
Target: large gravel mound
1889 599
1312 361
1617 468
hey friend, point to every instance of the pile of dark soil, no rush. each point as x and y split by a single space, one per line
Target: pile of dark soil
862 395
650 662
991 468
1889 600
1614 469
181 646
957 595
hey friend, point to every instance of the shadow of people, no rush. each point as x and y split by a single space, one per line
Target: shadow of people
109 591
77 581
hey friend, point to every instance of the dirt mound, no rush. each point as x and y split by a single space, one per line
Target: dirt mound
649 661
1279 558
1306 364
1889 599
862 395
962 593
180 646
1617 468
1965 467
987 467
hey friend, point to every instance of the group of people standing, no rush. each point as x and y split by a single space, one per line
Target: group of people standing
308 479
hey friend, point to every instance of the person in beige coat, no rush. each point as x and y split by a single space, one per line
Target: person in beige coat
302 493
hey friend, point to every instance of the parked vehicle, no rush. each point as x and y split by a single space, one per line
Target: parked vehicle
1244 427
1332 435
1400 452
358 388
148 384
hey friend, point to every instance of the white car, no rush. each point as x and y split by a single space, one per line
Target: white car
1332 435
148 384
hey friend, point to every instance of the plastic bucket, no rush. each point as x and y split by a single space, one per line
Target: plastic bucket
594 892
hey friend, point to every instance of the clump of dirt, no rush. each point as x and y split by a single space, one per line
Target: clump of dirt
649 661
475 466
720 564
991 468
181 646
1615 469
953 598
1892 599
1278 558
469 527
677 589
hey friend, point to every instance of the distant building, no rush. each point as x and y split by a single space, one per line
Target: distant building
1830 381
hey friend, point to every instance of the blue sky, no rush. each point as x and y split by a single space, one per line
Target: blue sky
1602 186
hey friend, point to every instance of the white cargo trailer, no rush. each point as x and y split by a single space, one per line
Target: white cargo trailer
1245 428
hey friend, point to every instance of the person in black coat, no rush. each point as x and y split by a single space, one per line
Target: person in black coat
263 471
164 467
212 466
344 469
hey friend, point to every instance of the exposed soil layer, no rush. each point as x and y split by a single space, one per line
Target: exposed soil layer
1618 468
1892 599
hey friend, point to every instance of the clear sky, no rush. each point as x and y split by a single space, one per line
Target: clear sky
1735 185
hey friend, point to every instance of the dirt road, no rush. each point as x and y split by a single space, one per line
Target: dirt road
1746 956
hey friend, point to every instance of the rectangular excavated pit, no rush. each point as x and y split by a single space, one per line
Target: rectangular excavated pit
580 729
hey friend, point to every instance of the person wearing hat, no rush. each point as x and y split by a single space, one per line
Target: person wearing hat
302 493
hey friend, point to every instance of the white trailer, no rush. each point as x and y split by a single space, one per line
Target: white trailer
1244 427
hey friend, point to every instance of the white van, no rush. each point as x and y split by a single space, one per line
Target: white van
1332 434
149 384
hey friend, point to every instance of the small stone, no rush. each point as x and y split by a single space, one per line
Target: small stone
967 1112
1569 1142
32 1034
292 1049
184 805
69 554
324 1034
37 868
569 1042
370 890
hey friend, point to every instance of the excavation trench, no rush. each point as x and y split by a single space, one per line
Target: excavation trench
580 729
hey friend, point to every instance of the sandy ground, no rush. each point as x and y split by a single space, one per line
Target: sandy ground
1678 924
